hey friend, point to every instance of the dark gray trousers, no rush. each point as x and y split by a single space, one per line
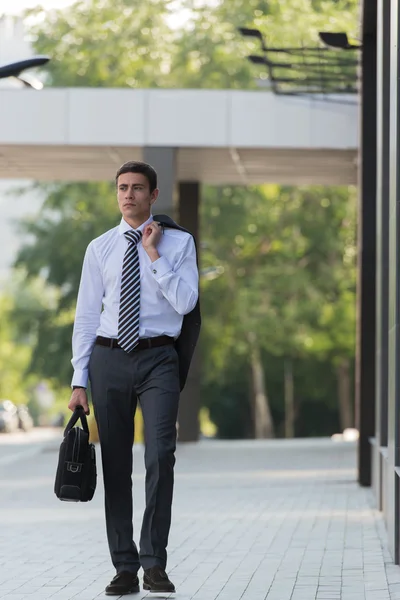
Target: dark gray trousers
117 381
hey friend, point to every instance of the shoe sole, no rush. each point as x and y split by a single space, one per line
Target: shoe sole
147 587
134 590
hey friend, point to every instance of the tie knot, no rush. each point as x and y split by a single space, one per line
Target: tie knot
133 236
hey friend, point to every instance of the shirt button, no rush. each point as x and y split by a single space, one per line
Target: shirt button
154 271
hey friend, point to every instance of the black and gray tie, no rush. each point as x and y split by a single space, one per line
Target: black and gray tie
129 307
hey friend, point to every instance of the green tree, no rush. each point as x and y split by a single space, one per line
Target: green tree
128 43
14 357
71 216
286 284
212 53
104 43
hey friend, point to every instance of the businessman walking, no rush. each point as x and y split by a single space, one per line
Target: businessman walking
138 288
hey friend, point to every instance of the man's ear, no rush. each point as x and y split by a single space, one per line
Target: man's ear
154 196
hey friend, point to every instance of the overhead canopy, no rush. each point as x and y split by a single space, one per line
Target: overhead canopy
220 137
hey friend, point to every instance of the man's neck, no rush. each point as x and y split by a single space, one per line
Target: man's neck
136 223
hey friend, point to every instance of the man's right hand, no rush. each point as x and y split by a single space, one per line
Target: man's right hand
79 398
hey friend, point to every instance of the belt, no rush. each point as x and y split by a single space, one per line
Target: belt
144 343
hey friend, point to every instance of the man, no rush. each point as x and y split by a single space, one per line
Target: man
138 282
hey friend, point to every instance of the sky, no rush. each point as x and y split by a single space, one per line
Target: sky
14 7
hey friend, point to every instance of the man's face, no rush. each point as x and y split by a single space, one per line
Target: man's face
134 197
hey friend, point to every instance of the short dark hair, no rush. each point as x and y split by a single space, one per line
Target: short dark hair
135 166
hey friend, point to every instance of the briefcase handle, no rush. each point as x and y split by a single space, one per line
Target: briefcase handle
78 413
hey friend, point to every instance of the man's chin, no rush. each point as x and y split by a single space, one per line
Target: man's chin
135 215
131 214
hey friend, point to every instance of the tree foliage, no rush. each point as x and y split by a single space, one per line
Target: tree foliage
72 215
118 43
289 259
14 357
284 260
129 43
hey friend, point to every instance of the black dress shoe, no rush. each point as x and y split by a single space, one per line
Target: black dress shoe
156 580
124 582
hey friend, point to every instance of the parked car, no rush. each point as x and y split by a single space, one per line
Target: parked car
25 421
9 420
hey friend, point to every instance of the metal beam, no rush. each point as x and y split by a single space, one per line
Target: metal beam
366 313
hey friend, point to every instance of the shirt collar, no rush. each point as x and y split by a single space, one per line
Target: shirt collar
124 226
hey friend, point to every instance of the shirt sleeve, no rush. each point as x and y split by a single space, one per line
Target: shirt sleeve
179 284
87 316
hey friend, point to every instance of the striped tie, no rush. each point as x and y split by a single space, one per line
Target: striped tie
128 319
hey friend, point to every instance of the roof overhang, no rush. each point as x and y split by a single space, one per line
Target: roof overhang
220 137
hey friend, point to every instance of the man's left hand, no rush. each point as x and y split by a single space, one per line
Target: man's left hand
151 237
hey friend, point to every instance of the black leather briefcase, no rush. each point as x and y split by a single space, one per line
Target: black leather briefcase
76 475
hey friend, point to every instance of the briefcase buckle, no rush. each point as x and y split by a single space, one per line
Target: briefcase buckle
74 467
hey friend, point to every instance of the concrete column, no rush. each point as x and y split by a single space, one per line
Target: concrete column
382 250
164 162
188 217
366 292
392 479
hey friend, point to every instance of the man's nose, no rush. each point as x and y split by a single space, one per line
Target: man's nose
130 193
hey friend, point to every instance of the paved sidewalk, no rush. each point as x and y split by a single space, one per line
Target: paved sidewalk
18 445
252 521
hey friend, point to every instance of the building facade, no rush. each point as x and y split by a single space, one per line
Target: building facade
377 396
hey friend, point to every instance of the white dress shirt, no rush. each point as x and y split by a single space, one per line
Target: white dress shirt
168 290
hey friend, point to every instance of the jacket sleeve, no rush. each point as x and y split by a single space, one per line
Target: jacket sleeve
179 284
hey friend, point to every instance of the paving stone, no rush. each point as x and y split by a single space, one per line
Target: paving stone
271 520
